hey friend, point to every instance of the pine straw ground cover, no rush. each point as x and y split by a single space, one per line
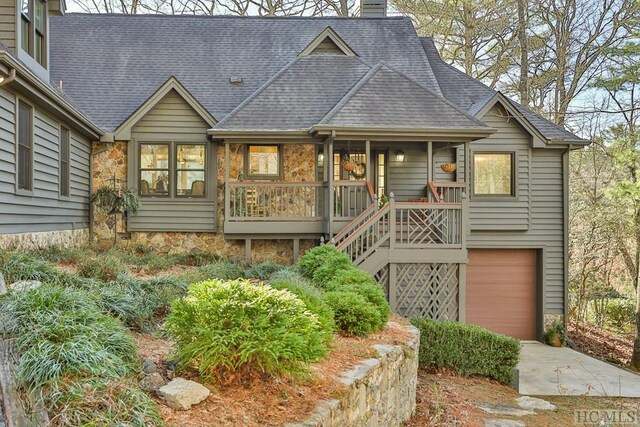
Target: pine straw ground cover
272 402
607 345
445 399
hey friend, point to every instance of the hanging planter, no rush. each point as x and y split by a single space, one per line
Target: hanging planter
448 167
349 164
113 201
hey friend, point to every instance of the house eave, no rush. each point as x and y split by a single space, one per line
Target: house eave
402 134
28 83
257 135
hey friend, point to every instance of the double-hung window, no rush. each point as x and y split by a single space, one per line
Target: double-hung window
24 132
65 160
33 29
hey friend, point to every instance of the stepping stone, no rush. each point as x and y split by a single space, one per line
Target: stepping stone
25 285
503 423
528 402
500 409
182 394
152 382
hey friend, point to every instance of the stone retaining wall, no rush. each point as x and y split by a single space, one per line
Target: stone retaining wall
45 239
380 391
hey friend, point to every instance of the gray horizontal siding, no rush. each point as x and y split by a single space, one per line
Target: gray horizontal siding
43 209
509 213
544 186
408 179
173 119
440 156
8 23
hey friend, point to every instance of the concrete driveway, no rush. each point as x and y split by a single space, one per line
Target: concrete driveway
551 371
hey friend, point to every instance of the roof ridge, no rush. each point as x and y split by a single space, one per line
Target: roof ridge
440 97
347 96
247 17
258 91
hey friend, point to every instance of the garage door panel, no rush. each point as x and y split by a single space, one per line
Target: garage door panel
501 292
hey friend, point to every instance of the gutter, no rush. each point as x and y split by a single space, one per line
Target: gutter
17 70
11 77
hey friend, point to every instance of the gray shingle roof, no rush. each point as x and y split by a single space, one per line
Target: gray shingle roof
110 64
385 98
471 94
299 95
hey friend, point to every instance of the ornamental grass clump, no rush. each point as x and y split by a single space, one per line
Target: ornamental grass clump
234 329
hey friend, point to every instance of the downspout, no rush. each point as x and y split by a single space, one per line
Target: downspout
11 77
565 214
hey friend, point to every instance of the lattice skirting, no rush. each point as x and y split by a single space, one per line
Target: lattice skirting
422 290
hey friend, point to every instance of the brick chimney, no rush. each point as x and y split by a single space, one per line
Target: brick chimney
373 8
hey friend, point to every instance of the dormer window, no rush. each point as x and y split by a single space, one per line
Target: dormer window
33 23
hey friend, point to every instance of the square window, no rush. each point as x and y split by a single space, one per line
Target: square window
263 161
493 174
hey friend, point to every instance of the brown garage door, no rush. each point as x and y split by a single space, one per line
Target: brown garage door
501 291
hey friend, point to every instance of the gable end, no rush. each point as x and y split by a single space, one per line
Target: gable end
328 42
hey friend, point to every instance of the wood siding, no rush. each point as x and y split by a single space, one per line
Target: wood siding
503 213
8 23
173 120
408 179
43 209
539 205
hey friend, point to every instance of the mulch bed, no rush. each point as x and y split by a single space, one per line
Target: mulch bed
606 345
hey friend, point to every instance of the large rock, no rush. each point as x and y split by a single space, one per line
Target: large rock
501 409
503 423
182 394
528 402
152 382
25 285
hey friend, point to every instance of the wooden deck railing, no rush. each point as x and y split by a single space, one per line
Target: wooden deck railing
446 192
351 198
370 235
270 201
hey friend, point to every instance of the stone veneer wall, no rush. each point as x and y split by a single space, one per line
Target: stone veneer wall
380 391
45 239
110 160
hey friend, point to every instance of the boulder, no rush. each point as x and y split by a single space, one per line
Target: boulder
503 423
149 367
25 285
182 394
152 382
528 402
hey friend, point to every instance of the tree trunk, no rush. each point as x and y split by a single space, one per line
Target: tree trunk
523 85
635 357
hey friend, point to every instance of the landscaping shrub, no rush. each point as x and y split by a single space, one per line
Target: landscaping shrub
223 270
315 257
467 349
227 328
361 283
313 300
353 314
621 313
105 267
334 266
57 254
67 348
16 266
262 271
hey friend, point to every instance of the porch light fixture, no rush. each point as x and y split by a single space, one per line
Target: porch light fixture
320 157
400 156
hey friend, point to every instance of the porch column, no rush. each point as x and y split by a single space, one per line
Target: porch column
367 151
227 190
330 190
467 168
430 161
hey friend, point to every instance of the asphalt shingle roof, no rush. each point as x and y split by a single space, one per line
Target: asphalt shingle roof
471 94
385 98
110 64
299 95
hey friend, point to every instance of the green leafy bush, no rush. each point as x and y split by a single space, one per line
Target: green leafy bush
333 267
361 283
315 257
235 327
467 349
353 314
621 313
75 358
262 271
312 298
105 267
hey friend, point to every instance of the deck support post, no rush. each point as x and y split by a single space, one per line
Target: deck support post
296 250
393 282
462 293
247 250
